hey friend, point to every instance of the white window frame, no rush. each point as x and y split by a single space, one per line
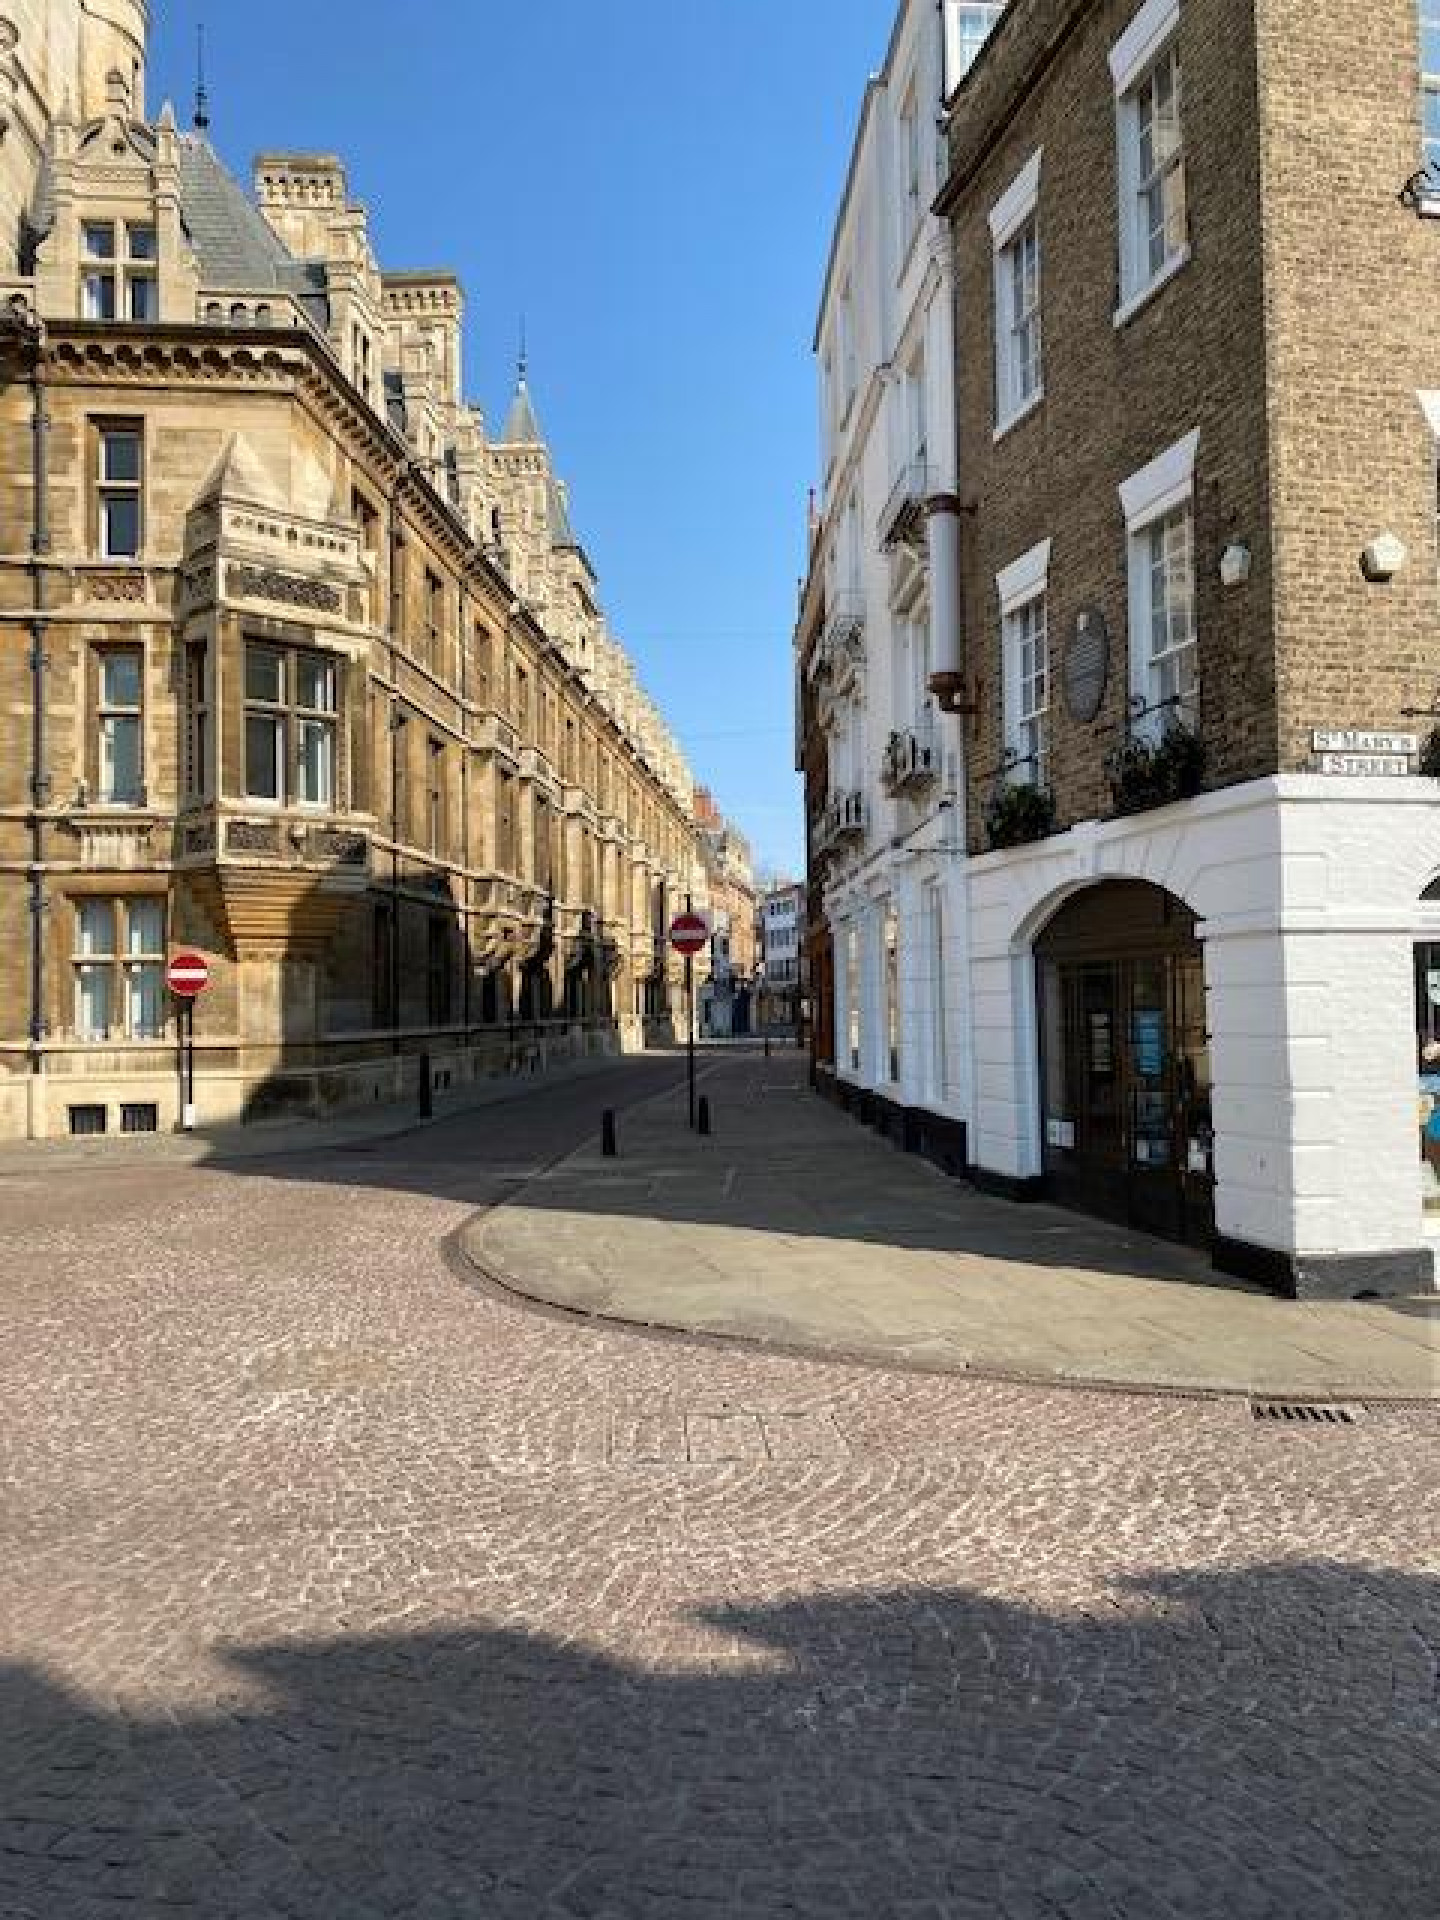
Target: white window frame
1147 498
111 491
845 349
1015 224
131 973
1429 13
1149 39
1021 587
959 58
128 273
909 167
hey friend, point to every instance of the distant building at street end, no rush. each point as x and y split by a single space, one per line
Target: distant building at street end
1137 906
782 972
727 891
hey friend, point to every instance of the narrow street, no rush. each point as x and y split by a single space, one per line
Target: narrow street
335 1581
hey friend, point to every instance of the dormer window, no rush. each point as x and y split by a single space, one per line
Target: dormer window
117 272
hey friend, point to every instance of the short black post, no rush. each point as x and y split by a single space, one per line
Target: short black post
609 1145
767 1042
427 1090
704 1113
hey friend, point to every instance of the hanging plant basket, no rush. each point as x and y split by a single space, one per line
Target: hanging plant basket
1154 773
1017 814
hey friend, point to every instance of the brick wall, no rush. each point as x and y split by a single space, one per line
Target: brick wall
1292 340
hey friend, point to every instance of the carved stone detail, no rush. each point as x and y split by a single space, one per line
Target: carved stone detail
252 836
268 583
115 586
334 843
198 839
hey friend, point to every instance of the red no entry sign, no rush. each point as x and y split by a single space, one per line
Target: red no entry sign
187 974
689 933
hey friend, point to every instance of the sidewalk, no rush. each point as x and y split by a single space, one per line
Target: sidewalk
212 1146
795 1226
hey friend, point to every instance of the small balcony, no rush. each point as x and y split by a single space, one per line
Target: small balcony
843 821
912 759
842 640
902 519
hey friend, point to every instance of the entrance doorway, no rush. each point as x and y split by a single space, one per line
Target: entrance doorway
1125 1062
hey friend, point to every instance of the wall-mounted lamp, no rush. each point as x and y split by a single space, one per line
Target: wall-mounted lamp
1384 557
1235 564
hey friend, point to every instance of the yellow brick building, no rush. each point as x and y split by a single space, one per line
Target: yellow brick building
298 666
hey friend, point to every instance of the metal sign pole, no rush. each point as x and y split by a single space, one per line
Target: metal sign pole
690 1047
188 1118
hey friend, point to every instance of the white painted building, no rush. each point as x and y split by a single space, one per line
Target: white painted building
888 542
1208 1006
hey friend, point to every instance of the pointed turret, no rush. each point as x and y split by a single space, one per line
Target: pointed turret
521 428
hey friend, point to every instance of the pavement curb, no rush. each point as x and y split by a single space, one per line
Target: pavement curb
472 1244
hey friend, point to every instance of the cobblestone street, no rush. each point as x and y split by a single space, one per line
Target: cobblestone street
336 1585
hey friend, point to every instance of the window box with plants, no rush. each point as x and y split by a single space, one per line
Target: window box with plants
1146 772
1017 812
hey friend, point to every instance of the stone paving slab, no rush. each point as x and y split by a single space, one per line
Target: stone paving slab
336 1587
795 1227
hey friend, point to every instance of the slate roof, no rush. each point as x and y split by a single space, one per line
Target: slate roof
562 534
235 246
521 429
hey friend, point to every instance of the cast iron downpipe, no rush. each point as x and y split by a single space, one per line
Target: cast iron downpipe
32 334
395 722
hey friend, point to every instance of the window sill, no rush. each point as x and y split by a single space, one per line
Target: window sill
1002 427
1142 296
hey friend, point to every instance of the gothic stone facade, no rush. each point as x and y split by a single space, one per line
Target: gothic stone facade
324 691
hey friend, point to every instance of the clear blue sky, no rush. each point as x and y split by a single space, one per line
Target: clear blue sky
653 183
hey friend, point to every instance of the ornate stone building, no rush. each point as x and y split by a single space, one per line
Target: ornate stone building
298 666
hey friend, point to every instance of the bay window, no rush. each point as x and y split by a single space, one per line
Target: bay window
290 726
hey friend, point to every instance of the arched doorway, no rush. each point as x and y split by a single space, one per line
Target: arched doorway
1427 1055
1125 1061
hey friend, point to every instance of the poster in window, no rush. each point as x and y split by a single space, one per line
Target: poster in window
1147 1038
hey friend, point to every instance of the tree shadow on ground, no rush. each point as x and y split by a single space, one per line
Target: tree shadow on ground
1248 1743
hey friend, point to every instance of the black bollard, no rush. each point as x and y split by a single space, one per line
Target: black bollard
609 1145
704 1118
427 1090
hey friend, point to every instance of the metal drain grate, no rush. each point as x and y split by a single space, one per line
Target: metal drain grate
1306 1413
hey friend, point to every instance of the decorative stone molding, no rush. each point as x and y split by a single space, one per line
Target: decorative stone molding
335 843
113 586
198 839
252 836
268 583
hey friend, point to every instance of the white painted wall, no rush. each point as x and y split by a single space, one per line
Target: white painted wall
900 279
1308 896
